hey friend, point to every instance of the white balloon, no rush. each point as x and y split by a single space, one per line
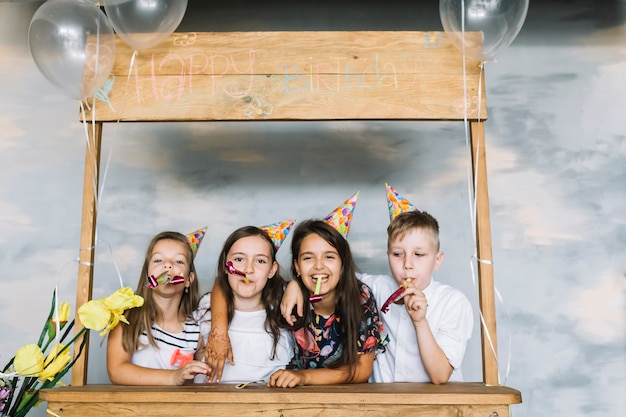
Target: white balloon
73 45
145 23
489 26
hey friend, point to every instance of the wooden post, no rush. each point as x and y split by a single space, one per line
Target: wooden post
84 285
486 298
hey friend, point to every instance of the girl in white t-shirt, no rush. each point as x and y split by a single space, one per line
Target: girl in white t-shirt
249 281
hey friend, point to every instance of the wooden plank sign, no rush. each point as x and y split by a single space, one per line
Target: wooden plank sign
293 76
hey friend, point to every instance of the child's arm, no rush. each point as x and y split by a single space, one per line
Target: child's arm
433 357
286 378
435 361
292 298
218 348
123 372
199 355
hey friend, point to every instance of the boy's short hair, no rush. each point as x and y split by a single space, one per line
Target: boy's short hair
410 220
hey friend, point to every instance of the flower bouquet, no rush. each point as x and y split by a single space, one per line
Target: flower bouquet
42 365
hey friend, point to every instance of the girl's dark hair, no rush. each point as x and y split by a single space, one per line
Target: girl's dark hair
141 319
272 293
348 308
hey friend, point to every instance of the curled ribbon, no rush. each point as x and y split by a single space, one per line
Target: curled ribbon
234 271
177 280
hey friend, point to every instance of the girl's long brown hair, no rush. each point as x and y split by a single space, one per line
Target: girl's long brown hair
348 308
141 319
272 293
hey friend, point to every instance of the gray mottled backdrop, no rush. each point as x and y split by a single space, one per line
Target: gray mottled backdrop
556 149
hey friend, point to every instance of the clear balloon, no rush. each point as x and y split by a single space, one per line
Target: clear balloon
145 23
73 45
482 28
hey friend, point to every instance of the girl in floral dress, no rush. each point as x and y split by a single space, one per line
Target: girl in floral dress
340 332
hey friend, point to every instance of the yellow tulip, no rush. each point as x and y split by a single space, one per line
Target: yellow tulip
55 362
28 360
94 315
64 312
123 299
63 316
106 313
115 320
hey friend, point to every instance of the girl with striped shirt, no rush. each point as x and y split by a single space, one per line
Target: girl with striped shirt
158 345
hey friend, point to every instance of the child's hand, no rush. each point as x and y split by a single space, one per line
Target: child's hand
286 379
218 351
189 371
292 298
415 303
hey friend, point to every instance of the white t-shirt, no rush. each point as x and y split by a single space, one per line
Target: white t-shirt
150 357
450 319
251 344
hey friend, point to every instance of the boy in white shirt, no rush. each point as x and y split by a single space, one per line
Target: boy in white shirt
429 326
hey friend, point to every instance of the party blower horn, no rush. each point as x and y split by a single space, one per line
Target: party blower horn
277 233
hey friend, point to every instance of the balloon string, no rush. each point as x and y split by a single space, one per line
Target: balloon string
472 184
510 341
98 193
117 269
117 124
108 164
89 139
83 262
480 99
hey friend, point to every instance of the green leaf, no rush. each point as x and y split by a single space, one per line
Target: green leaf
44 331
29 399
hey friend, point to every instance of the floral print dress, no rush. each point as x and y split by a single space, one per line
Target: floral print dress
319 344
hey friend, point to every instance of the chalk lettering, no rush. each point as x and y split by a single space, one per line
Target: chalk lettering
171 86
178 81
389 80
295 82
150 79
376 74
213 59
249 70
173 76
199 61
322 72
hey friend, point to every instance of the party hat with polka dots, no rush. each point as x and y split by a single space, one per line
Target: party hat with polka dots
341 217
278 231
195 238
397 203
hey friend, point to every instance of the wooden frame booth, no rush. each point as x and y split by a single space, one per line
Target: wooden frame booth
294 76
